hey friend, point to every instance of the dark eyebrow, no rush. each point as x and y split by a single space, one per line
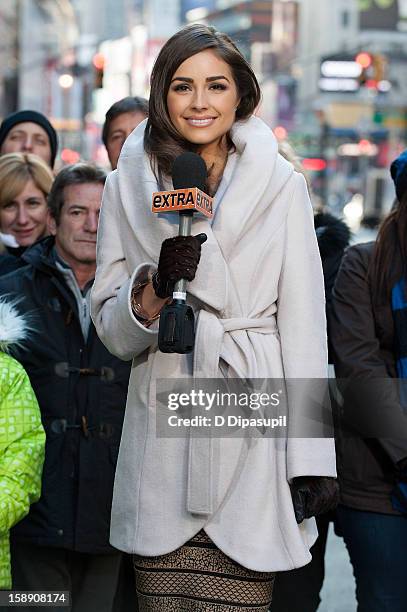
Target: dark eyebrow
208 80
77 206
217 78
185 79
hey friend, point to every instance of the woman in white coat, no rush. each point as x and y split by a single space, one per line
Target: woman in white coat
210 520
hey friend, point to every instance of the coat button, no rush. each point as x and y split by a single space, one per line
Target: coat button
60 532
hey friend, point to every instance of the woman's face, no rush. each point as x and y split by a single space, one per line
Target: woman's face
25 217
202 99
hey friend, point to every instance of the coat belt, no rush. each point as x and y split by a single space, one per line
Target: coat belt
208 344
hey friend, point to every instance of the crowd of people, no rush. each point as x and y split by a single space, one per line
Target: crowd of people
185 524
48 225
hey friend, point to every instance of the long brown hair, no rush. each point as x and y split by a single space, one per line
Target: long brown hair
162 141
390 253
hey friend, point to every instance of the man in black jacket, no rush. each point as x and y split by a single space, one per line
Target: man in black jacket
63 544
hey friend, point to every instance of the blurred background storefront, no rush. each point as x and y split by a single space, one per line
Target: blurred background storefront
333 76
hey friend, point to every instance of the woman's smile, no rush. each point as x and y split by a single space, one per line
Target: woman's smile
200 122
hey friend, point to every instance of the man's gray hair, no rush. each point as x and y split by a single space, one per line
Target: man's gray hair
75 174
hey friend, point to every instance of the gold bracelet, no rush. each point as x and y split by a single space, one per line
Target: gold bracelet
137 308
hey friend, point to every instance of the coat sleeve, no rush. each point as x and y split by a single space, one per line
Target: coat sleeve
115 323
22 441
371 404
301 324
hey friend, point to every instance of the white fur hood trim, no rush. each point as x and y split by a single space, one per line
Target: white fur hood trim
13 326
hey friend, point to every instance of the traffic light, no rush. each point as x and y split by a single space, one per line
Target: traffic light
365 61
373 68
98 62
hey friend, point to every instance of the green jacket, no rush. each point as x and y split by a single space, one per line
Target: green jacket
22 442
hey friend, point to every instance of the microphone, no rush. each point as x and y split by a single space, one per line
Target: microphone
176 332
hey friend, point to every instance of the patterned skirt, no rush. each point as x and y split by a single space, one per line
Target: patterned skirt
198 577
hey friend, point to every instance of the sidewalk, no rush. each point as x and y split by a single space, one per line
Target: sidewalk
338 593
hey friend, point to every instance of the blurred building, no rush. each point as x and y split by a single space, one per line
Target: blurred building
275 64
35 34
36 38
247 22
333 74
46 60
325 28
106 19
352 106
8 57
129 59
98 21
201 8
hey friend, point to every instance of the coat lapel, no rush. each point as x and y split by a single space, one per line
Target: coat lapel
254 183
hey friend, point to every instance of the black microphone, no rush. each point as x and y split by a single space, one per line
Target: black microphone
176 332
189 171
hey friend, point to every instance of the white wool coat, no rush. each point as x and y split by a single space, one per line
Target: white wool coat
259 302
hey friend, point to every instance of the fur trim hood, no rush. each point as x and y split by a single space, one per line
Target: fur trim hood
14 328
333 234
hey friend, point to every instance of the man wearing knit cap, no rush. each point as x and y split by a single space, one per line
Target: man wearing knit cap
28 131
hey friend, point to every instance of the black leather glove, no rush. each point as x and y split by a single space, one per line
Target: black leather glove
313 495
179 258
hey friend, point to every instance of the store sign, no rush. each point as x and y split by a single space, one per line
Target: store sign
340 73
382 14
338 69
344 85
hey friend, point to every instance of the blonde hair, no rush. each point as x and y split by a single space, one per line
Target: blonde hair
16 169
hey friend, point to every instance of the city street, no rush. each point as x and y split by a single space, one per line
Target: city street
338 593
172 176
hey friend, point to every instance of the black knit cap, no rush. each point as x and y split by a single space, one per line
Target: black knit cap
398 171
32 116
